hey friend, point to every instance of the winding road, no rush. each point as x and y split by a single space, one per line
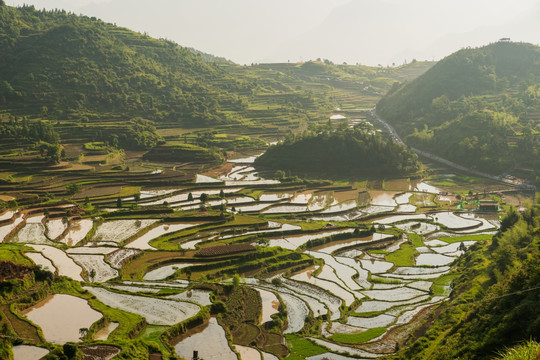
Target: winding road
441 160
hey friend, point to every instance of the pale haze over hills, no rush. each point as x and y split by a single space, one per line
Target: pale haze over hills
354 31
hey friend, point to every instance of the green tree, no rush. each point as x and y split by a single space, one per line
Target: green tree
70 350
73 188
12 204
509 220
204 198
119 202
82 333
92 275
236 280
190 197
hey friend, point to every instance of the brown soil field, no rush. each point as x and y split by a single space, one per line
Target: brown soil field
397 184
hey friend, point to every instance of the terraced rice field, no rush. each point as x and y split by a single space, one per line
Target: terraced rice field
61 316
63 263
155 311
119 230
142 242
212 334
366 273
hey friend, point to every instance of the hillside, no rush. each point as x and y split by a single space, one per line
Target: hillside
479 107
62 66
338 154
494 302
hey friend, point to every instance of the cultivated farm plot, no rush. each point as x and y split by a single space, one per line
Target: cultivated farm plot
156 311
7 215
293 242
61 316
6 229
248 353
142 242
383 198
89 262
28 352
397 218
164 272
328 329
41 260
416 270
333 267
285 209
199 296
433 260
455 222
398 294
270 305
77 231
345 349
118 257
119 230
55 228
31 233
453 247
382 320
326 285
104 332
343 206
362 278
103 250
376 266
65 265
212 334
314 296
418 227
380 305
297 310
274 197
134 289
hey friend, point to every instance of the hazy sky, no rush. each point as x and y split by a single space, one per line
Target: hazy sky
354 31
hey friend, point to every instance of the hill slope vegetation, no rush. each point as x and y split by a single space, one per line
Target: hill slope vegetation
479 107
494 303
340 153
61 65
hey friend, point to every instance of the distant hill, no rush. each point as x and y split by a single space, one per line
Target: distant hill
68 79
60 65
338 154
479 107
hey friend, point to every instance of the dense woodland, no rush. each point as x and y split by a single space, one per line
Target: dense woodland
340 153
494 303
60 65
479 107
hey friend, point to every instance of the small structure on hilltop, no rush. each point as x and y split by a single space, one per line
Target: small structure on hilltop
504 39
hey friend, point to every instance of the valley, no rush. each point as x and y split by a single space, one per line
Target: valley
156 202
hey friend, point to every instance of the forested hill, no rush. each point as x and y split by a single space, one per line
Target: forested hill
479 107
338 154
495 297
60 65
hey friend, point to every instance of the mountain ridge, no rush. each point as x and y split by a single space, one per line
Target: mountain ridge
478 107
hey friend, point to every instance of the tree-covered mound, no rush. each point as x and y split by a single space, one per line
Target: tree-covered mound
479 107
495 297
59 66
340 153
